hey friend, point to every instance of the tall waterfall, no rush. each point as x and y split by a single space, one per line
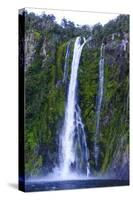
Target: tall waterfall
99 104
73 147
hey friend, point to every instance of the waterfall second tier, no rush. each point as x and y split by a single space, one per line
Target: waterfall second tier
99 105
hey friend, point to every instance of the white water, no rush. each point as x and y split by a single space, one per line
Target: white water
99 104
83 156
68 150
66 63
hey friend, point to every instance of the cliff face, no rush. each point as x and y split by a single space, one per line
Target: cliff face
114 121
45 50
115 113
30 48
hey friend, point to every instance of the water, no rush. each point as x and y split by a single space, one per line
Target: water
81 161
73 147
99 104
72 184
65 75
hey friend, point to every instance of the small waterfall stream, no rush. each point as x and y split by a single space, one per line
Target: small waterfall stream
73 147
65 75
82 157
99 104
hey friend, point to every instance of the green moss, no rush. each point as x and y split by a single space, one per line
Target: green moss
114 120
45 103
37 35
88 76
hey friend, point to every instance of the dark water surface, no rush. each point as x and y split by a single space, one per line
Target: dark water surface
72 184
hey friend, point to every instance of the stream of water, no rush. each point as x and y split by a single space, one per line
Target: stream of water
73 147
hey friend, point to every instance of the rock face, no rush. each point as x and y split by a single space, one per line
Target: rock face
117 54
43 49
114 133
119 168
32 43
30 48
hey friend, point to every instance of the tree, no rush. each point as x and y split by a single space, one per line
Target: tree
97 33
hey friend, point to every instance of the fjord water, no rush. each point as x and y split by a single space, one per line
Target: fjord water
73 134
99 104
72 184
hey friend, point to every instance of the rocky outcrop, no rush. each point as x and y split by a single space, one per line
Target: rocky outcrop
119 168
114 117
30 48
117 53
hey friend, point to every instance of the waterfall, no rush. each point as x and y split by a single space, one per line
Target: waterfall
73 147
81 159
65 75
99 104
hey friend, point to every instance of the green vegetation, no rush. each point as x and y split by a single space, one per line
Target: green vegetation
45 92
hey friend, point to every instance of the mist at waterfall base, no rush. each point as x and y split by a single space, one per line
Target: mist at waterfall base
73 171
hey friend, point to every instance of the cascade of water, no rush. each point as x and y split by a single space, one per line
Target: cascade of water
80 145
66 63
99 104
73 151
